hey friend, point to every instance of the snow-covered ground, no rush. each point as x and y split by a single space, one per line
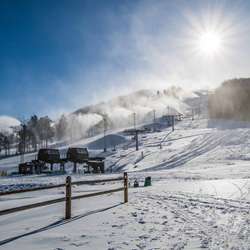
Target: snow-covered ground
199 196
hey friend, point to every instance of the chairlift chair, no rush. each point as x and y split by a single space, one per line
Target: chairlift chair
123 154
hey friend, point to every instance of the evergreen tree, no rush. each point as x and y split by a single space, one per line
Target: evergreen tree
33 127
61 128
46 130
8 140
231 100
21 134
1 142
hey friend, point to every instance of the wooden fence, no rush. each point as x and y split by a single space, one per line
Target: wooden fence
68 197
3 173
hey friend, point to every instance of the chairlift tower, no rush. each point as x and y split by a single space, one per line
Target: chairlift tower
172 116
136 131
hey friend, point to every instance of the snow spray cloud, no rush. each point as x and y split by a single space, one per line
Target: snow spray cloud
79 125
119 112
118 115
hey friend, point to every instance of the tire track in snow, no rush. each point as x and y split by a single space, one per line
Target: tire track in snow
188 216
216 193
211 141
138 160
240 228
216 232
240 189
152 153
247 193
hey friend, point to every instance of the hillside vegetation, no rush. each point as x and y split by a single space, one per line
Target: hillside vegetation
231 100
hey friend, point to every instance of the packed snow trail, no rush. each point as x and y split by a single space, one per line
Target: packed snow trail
155 218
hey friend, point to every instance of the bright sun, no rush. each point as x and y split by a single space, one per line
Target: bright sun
209 42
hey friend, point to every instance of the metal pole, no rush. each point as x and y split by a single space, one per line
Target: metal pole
134 120
136 138
154 120
104 138
24 131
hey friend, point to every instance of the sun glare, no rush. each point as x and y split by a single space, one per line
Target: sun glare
209 42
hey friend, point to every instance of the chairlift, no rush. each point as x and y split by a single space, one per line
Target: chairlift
123 154
159 129
144 138
125 147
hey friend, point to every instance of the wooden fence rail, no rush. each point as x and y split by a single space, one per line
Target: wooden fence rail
17 191
68 198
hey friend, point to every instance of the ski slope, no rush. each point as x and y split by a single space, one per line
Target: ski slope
199 196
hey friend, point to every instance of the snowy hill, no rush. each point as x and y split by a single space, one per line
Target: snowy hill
199 196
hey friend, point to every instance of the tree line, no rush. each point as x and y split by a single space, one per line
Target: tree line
31 134
231 100
37 133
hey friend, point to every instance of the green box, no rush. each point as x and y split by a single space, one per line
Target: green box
147 181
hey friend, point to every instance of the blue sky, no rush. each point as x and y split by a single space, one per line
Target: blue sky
58 56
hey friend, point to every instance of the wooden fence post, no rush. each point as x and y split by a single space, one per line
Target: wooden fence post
172 123
125 176
68 198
